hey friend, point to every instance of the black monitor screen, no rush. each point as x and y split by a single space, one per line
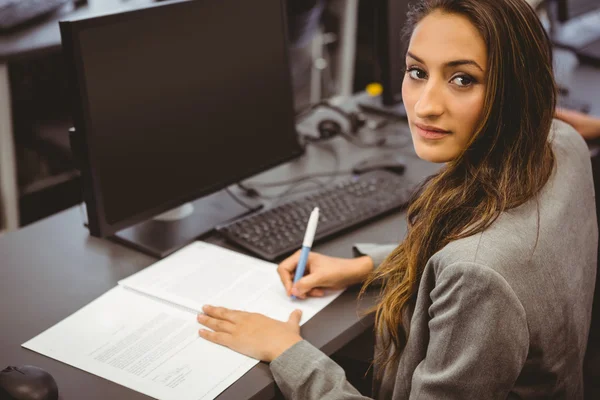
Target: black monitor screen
182 99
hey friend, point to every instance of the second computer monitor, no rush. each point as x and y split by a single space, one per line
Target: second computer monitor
391 48
569 9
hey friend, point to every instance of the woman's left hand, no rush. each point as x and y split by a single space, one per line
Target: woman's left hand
254 335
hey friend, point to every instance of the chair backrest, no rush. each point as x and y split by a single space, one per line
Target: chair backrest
591 367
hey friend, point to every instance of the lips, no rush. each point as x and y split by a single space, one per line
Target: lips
431 132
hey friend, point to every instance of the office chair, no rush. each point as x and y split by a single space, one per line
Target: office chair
591 368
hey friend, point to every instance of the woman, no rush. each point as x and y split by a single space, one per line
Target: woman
490 293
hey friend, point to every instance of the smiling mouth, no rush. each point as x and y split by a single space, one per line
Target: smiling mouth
428 132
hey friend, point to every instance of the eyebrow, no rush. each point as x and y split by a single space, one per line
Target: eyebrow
454 63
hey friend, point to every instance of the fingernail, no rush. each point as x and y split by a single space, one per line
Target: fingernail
295 292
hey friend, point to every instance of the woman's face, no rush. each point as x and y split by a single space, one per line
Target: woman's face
444 85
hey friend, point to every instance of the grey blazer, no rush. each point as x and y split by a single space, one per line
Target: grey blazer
499 314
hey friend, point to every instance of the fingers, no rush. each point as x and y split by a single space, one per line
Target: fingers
289 264
295 318
221 313
309 282
286 270
217 325
316 292
215 337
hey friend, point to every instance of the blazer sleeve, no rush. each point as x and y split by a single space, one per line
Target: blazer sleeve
378 252
303 372
479 337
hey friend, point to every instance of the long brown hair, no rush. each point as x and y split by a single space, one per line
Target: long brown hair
506 163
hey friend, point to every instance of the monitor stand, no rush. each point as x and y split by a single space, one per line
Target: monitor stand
168 232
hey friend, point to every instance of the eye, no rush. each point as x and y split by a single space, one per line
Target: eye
463 80
416 73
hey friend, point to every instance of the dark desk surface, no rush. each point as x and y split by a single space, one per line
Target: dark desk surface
52 268
44 36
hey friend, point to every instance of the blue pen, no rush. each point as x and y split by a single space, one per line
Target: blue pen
309 236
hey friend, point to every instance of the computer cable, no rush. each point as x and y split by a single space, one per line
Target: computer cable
292 189
250 189
240 201
292 180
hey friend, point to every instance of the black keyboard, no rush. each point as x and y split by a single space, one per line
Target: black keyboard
279 231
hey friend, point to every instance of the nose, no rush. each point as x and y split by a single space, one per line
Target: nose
430 104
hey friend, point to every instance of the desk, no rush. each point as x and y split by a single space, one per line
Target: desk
31 42
52 268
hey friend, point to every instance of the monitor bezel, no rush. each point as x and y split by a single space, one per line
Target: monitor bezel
94 198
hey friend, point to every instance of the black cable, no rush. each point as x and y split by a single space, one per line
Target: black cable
322 185
296 180
292 190
250 192
239 201
293 182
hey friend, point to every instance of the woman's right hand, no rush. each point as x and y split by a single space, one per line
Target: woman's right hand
323 272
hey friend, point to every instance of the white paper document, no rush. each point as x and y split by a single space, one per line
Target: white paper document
143 333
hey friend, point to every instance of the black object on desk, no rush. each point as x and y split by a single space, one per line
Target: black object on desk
27 383
278 231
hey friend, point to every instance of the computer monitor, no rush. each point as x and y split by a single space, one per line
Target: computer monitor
568 9
173 102
390 50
